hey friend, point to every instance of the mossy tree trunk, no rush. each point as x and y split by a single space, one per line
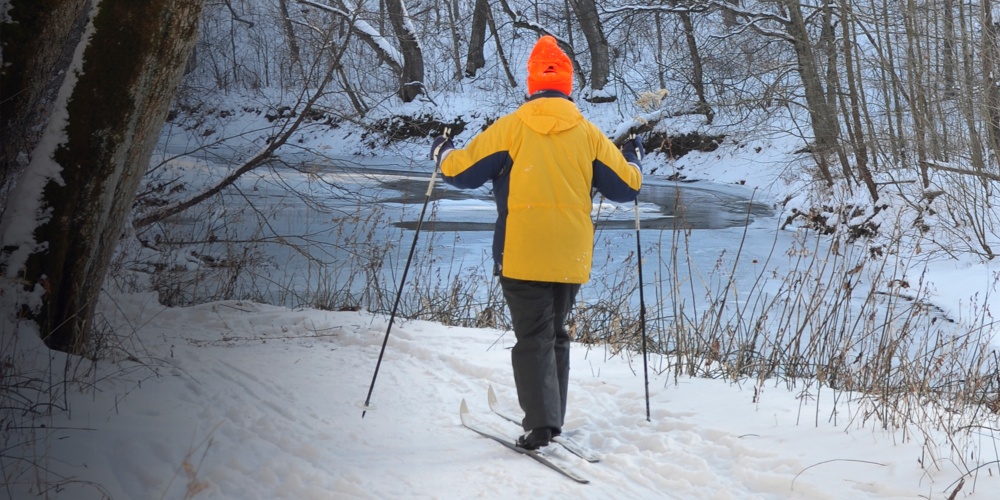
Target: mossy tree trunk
116 108
36 45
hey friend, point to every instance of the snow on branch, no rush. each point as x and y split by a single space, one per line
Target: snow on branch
638 125
752 15
675 9
408 25
522 21
365 32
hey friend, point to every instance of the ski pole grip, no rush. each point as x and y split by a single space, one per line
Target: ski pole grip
638 152
430 186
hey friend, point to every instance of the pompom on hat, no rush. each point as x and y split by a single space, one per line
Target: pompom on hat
549 68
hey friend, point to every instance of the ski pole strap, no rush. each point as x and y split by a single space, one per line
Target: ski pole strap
430 186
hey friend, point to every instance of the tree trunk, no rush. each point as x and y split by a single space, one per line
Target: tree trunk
728 16
697 69
891 94
456 39
948 44
290 40
87 182
969 107
854 96
477 38
503 58
36 45
991 84
916 69
827 40
823 118
590 23
660 64
411 79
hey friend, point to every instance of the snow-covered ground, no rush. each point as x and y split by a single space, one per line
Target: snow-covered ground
257 401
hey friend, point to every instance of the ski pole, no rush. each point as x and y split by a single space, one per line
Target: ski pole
642 300
642 308
402 281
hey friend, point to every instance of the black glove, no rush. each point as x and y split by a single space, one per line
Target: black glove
632 150
441 144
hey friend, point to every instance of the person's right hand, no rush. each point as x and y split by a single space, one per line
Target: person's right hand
633 151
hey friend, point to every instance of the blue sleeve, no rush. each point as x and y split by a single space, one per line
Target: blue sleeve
485 169
612 185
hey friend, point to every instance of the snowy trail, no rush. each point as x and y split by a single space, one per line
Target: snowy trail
256 401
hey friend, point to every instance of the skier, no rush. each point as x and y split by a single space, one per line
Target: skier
543 159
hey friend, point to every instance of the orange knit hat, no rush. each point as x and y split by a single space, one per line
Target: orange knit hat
549 68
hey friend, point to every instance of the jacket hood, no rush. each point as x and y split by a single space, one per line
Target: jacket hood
549 115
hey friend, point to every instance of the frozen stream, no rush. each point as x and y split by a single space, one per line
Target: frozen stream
337 235
339 231
663 204
376 203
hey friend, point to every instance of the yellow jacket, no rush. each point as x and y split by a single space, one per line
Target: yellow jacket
544 160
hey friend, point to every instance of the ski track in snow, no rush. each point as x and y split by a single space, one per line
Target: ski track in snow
263 402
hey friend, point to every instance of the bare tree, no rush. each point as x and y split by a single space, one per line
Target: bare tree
697 67
290 38
590 23
411 79
822 115
991 85
477 38
853 105
408 64
969 108
456 37
948 44
77 193
795 29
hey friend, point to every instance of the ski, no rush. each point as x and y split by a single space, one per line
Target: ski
534 454
567 443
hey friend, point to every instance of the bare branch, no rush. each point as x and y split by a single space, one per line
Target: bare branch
366 33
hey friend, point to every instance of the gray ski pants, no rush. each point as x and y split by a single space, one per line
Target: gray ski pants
540 357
